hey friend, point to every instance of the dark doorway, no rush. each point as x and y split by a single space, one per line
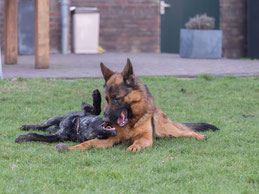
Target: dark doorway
253 29
178 14
26 27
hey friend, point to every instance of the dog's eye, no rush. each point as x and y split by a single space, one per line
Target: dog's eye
115 99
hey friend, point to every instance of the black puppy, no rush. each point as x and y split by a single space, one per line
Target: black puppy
75 126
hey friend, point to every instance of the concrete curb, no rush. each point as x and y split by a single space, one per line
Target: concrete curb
73 66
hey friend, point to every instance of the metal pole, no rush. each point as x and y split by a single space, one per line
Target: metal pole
1 70
65 25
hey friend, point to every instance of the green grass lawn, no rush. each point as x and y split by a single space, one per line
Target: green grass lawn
228 162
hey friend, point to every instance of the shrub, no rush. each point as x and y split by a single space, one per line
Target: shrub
201 22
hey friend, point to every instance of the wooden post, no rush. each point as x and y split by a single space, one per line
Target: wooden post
42 34
11 43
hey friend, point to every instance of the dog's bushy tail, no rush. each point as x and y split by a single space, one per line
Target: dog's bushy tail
201 126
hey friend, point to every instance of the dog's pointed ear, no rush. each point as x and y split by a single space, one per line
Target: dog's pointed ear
107 73
128 74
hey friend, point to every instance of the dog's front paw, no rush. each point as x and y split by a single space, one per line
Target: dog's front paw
25 128
61 147
134 148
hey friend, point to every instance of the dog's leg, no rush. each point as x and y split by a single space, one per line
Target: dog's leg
145 139
94 109
40 137
97 99
99 143
140 143
53 129
164 128
87 108
43 126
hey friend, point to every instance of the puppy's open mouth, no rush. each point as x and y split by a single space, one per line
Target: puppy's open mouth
123 119
107 127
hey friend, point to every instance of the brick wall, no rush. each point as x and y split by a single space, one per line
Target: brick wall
127 25
55 31
233 22
2 5
134 25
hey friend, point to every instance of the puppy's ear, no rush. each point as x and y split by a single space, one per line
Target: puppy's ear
107 73
128 74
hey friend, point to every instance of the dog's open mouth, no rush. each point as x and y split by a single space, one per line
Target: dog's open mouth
107 127
123 119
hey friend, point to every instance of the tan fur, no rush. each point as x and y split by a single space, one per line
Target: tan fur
137 134
116 79
164 127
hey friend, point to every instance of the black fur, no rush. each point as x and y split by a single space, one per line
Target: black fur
201 126
148 91
75 126
111 115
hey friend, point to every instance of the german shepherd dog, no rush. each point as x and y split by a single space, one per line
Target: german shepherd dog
130 110
75 126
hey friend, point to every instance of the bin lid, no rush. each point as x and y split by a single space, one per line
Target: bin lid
85 10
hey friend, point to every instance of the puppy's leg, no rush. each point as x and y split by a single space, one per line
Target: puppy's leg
97 99
104 143
87 108
164 128
43 126
53 129
40 137
94 109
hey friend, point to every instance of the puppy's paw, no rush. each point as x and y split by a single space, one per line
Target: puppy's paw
61 147
96 94
25 128
21 138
